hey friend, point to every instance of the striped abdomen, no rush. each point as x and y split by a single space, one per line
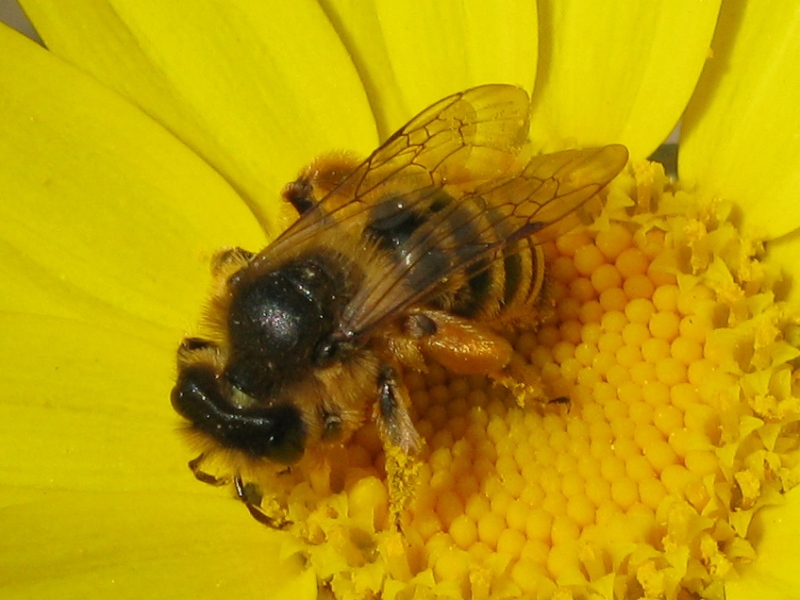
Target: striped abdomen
457 247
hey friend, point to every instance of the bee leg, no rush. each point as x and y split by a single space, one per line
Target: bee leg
561 401
193 350
394 422
197 471
460 346
465 348
523 380
400 441
250 496
318 180
190 345
300 194
227 260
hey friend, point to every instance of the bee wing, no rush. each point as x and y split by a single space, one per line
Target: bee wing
473 135
467 152
541 198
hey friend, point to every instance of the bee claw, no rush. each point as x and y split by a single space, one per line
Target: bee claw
562 400
251 498
201 475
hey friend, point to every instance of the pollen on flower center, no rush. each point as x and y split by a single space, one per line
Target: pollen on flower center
678 425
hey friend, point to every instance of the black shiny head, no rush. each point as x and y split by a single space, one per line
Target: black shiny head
275 432
277 322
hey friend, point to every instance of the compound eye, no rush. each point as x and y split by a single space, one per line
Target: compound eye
332 348
326 352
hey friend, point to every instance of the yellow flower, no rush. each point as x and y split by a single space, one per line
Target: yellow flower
146 138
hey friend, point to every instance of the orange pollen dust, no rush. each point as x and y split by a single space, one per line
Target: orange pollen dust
681 423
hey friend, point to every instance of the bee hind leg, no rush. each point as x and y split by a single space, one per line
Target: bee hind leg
522 380
466 347
300 194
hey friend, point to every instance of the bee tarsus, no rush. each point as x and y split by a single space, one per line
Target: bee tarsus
563 401
203 476
251 497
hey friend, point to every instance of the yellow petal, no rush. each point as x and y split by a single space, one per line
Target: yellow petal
411 54
87 408
741 135
258 89
617 71
141 545
104 213
774 575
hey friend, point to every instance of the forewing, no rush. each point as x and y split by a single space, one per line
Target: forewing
547 196
476 134
541 198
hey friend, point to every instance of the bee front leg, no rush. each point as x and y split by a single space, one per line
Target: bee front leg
194 350
250 496
197 470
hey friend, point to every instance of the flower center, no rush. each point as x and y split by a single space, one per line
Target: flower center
661 334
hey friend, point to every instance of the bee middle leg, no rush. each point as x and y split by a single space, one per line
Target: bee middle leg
394 422
401 442
197 470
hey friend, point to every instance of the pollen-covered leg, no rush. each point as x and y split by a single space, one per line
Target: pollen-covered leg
465 348
522 380
401 442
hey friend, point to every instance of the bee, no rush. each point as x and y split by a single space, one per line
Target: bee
428 249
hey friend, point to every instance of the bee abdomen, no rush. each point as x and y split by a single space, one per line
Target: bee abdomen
516 275
524 280
436 233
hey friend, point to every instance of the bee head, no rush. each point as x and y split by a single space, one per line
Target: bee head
248 393
275 432
280 324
